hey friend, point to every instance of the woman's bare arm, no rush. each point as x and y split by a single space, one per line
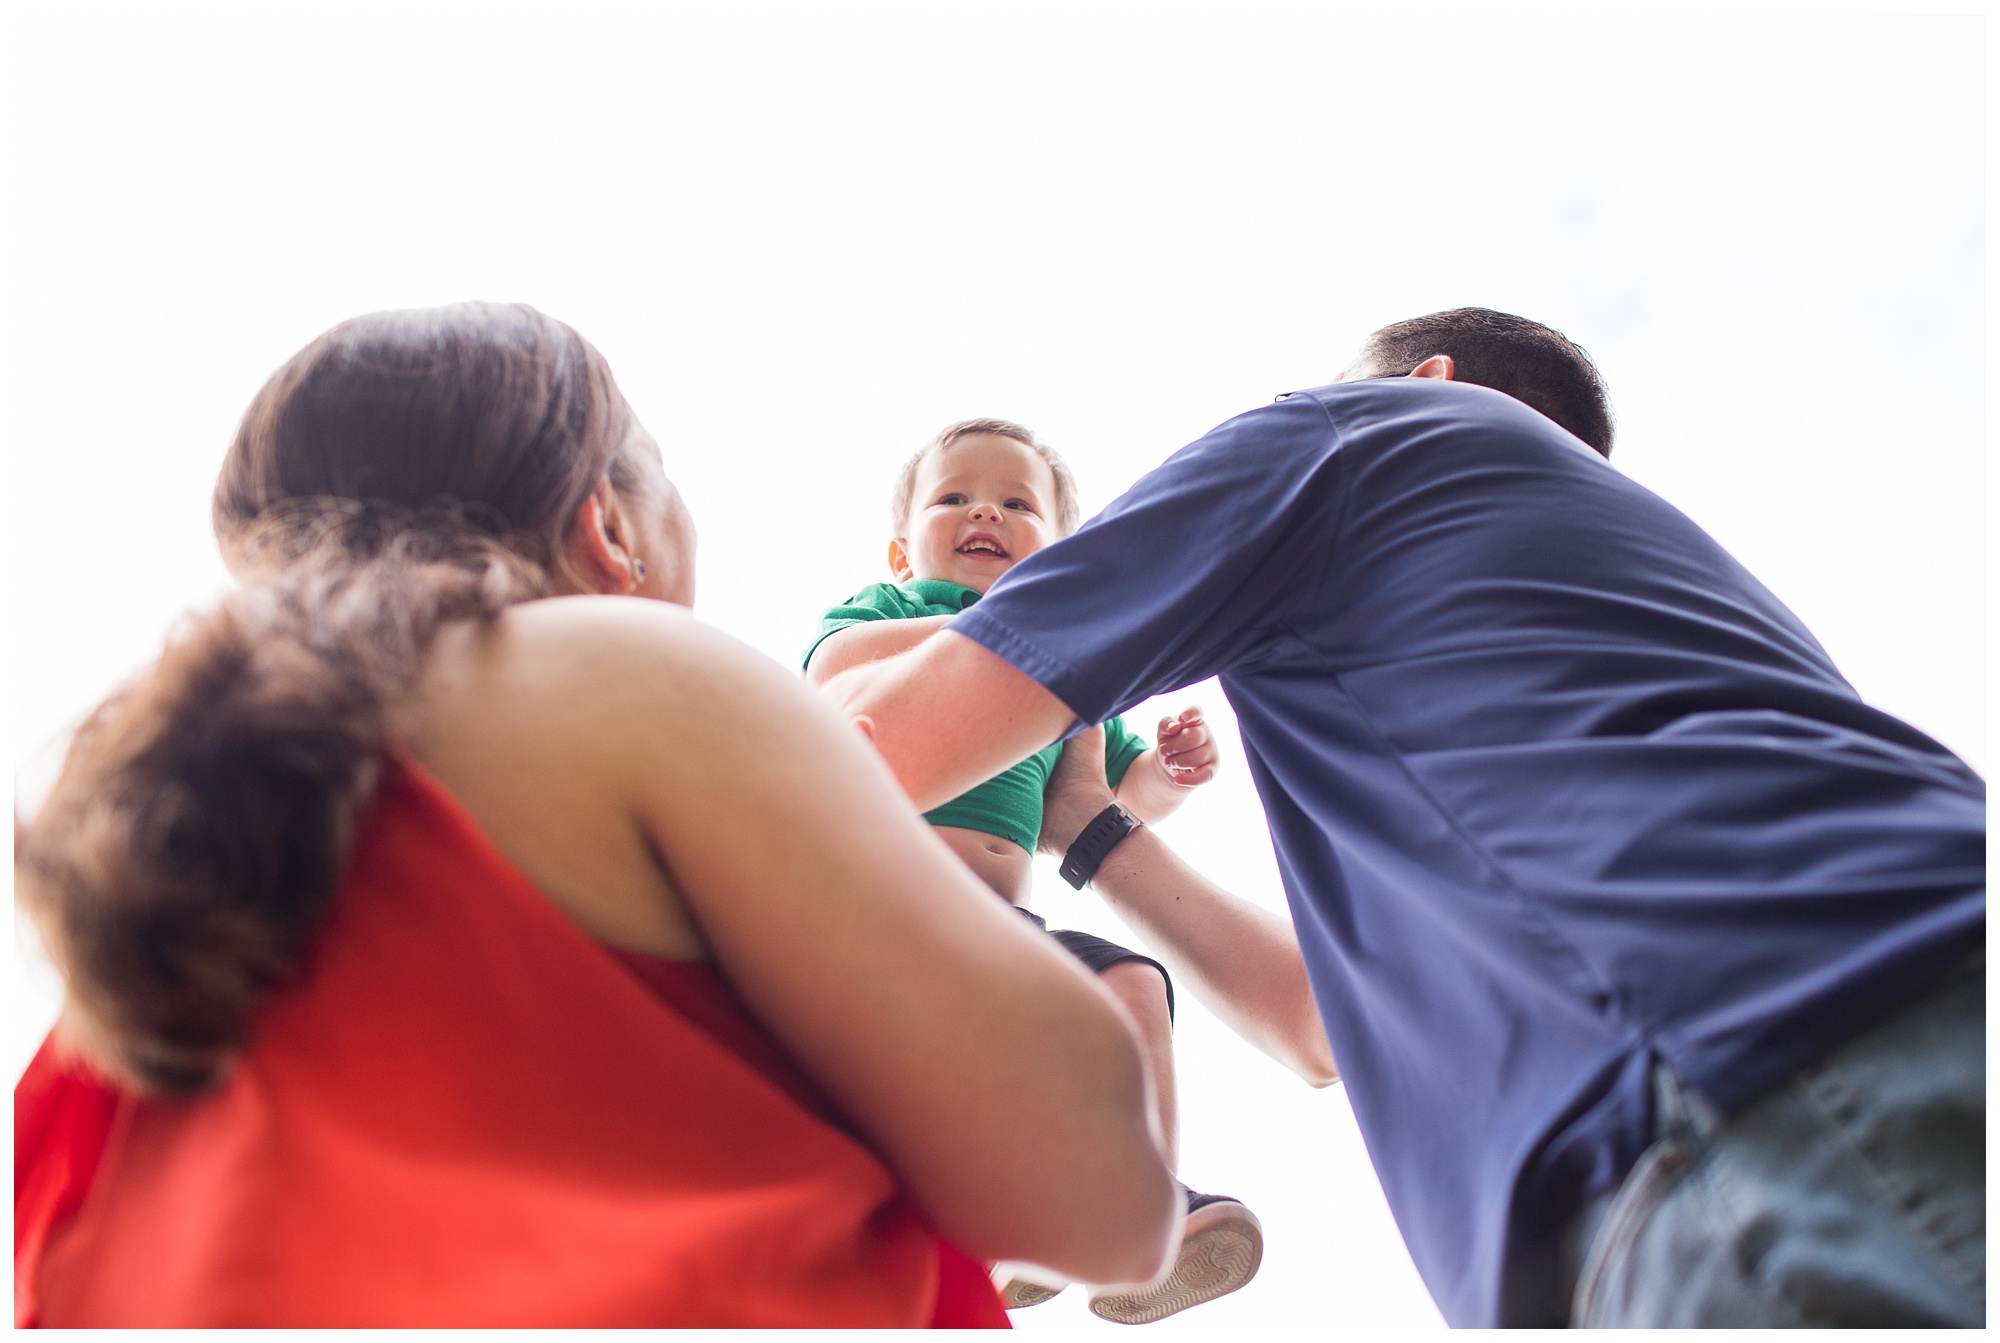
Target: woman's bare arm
964 1046
1240 959
868 642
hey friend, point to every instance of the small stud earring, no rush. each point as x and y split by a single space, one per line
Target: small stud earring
638 569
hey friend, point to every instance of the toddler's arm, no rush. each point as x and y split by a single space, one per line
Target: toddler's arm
871 642
1184 758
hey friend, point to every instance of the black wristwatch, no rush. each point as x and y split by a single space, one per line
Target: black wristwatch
1098 839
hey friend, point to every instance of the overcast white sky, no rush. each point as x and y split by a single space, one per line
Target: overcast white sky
806 238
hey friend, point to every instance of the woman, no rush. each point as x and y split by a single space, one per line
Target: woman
425 940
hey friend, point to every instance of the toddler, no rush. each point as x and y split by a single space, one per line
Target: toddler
981 497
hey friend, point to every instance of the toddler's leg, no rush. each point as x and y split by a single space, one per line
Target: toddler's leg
1222 1243
1142 991
1142 988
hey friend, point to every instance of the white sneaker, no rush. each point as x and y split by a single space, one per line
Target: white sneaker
1024 1285
1221 1249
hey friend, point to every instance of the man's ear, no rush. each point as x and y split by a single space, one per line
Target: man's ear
899 561
1437 366
598 556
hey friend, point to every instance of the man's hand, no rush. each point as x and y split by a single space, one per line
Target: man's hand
1187 749
1077 791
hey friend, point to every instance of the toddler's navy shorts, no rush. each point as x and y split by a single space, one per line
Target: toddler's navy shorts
1099 954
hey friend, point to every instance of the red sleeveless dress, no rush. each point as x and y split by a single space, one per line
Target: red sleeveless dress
468 1114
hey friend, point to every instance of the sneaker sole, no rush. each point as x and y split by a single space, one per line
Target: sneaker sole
1023 1285
1020 1294
1215 1261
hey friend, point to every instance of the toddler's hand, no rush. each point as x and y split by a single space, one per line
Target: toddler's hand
1187 749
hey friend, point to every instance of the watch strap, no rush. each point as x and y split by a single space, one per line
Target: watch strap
1104 833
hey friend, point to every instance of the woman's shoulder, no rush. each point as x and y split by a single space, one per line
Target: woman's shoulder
609 674
598 637
614 618
588 735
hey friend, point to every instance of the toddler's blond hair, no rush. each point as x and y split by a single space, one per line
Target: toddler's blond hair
1068 513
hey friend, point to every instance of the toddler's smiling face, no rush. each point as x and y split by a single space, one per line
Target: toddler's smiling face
978 507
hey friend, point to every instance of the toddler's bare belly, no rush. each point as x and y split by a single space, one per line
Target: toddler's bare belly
1000 863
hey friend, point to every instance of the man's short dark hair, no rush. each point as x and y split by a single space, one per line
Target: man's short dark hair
1526 360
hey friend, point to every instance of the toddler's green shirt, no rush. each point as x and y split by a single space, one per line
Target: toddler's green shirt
1010 803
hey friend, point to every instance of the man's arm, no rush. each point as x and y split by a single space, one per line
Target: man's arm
871 641
948 715
1240 959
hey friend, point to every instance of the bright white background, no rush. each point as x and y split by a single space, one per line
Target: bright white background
806 238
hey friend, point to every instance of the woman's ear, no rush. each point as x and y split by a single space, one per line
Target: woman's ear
598 555
899 561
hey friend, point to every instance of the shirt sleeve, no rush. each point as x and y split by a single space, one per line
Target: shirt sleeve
1122 746
877 601
1184 576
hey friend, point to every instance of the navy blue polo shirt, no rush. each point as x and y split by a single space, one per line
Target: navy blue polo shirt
1557 788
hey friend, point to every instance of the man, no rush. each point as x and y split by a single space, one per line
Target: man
1651 955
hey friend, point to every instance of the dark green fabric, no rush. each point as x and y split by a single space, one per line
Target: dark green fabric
1009 804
